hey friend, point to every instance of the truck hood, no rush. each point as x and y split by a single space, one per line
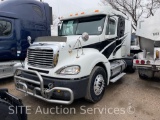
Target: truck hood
64 42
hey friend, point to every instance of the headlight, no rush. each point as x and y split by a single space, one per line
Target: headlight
69 70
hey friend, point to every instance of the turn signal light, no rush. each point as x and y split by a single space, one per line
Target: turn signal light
157 54
58 91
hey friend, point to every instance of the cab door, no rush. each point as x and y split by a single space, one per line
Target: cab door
110 37
111 30
7 39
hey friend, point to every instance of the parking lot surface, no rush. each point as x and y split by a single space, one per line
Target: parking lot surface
128 99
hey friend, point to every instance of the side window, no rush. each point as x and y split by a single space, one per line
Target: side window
111 27
68 28
38 11
5 28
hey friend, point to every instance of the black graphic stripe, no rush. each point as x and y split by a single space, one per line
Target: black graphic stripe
100 45
112 48
113 44
119 45
109 50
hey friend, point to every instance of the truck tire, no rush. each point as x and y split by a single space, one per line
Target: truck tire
129 69
129 63
145 74
142 76
96 85
5 113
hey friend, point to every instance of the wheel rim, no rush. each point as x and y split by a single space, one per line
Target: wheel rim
98 84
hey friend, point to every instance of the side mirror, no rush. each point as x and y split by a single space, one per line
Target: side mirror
59 26
85 36
29 40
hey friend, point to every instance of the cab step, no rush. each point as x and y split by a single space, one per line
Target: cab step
115 79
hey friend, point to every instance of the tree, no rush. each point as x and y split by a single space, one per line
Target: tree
135 9
157 2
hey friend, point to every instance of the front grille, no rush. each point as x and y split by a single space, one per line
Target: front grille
40 58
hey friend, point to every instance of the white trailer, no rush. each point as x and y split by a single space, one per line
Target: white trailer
148 34
90 51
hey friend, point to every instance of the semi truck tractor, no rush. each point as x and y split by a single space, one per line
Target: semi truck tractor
21 21
90 51
148 35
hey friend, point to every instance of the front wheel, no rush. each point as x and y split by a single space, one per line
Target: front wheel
96 85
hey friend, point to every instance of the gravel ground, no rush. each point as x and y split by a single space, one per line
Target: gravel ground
128 99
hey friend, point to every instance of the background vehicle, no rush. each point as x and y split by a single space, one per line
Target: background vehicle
134 45
11 108
20 21
148 61
74 64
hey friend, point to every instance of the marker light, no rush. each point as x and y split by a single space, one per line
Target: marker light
137 61
71 15
96 11
148 62
157 54
142 62
76 14
55 60
82 13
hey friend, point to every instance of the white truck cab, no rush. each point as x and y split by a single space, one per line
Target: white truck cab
89 52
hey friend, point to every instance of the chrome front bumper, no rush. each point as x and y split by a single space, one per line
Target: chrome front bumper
45 93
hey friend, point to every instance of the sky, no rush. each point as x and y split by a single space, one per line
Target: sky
61 7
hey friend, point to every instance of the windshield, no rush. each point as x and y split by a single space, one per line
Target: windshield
5 28
92 25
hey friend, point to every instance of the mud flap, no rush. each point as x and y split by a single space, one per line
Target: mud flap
130 68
